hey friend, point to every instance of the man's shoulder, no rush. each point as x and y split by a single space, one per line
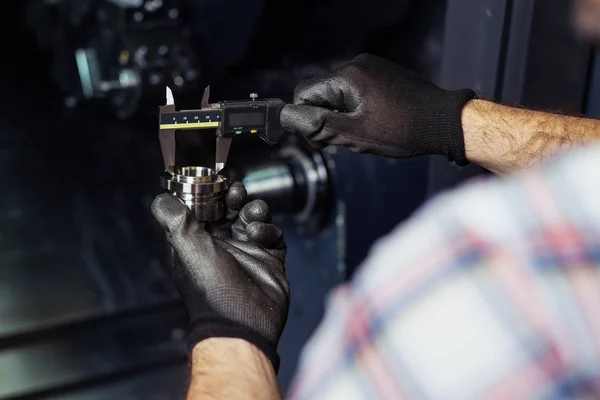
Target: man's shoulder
477 295
494 211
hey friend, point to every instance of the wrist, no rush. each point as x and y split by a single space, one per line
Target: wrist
225 368
203 329
438 122
219 353
481 143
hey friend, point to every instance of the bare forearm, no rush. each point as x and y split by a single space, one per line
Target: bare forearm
504 139
225 368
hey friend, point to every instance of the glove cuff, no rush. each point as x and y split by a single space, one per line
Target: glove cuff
229 329
438 122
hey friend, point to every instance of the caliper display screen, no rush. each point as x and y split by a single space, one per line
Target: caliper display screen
243 119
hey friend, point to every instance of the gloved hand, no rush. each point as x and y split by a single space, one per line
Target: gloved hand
385 110
231 275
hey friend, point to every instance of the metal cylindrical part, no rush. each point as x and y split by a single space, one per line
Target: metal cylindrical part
200 189
278 184
295 185
272 183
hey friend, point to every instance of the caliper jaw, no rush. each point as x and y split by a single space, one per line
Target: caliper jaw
167 136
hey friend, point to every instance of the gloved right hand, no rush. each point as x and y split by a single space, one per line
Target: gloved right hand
384 109
231 275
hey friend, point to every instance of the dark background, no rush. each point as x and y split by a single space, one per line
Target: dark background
86 308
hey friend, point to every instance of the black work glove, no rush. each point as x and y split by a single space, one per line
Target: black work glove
232 280
384 109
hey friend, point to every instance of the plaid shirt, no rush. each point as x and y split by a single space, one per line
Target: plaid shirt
491 291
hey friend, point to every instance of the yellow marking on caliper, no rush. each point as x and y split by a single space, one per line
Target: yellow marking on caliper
190 125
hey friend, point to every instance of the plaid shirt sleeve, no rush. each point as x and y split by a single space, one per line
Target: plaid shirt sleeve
491 291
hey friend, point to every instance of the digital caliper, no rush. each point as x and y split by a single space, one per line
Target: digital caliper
230 118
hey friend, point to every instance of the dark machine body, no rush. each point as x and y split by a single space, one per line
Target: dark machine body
117 54
87 310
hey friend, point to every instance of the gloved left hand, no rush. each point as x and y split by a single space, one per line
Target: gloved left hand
385 110
231 275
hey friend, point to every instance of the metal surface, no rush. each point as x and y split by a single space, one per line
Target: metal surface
525 52
167 136
480 23
200 189
223 146
89 286
518 28
296 185
593 100
164 383
478 66
84 298
204 103
167 130
58 265
373 196
558 62
313 269
57 360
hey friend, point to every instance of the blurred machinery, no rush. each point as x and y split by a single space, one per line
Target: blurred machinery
295 182
117 53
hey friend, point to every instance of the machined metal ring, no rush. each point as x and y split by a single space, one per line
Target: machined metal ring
200 189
